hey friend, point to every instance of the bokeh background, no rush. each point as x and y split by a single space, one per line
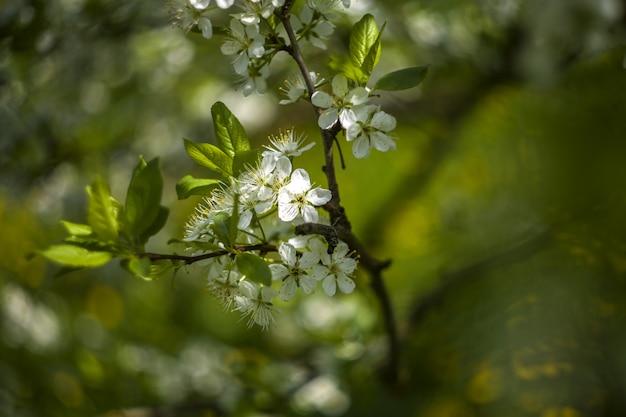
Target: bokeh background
503 210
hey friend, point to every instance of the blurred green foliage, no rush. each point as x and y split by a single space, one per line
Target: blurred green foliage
504 211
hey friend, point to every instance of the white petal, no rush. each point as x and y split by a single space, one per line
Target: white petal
383 121
321 99
340 85
241 64
206 27
329 285
308 259
328 118
324 28
319 272
287 253
288 289
200 4
237 29
267 293
307 284
358 96
244 219
309 214
346 285
230 47
318 196
300 181
382 142
347 265
353 131
287 211
256 49
317 42
361 147
224 4
279 271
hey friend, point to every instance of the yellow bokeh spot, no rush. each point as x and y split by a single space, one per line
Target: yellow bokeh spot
67 389
485 385
448 407
560 412
106 305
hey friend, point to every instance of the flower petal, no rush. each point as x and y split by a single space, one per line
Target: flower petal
346 285
288 289
321 99
329 285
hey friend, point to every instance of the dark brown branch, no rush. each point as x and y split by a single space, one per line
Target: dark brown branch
339 219
187 260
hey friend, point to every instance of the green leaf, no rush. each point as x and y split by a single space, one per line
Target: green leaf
402 79
254 268
156 226
244 159
138 266
373 56
230 134
210 156
76 229
363 38
188 186
104 211
143 197
76 257
221 228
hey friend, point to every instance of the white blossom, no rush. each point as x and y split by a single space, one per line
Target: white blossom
256 301
299 198
312 26
369 127
245 42
295 87
335 269
286 144
294 272
339 105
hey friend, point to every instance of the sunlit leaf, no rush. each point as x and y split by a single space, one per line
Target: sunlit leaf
210 156
363 38
76 257
76 229
104 211
254 268
188 186
138 266
230 134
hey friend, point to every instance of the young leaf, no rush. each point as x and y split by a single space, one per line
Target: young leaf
138 266
373 56
254 268
158 223
76 229
210 156
221 228
143 197
363 37
244 159
76 257
188 186
230 134
104 211
402 79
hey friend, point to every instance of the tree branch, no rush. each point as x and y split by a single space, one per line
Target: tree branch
188 260
339 219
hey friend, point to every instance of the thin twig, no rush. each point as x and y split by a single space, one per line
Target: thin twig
187 260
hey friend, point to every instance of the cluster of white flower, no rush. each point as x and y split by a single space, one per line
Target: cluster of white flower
271 187
246 41
365 124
